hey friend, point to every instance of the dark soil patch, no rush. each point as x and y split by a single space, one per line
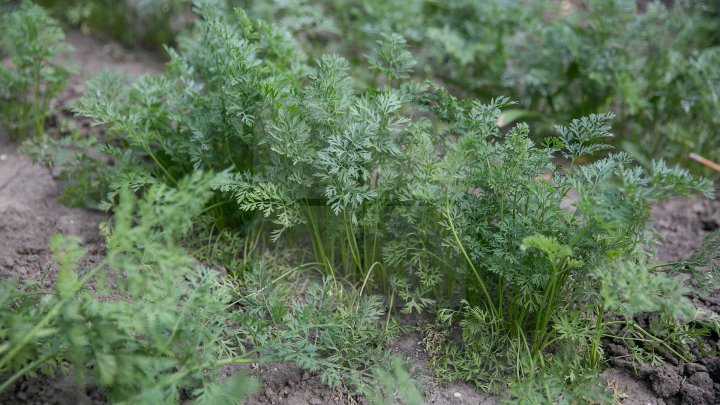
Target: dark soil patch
30 215
286 383
52 391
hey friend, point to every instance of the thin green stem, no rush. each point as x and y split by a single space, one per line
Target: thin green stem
38 116
367 276
157 162
352 244
660 265
317 243
52 313
599 329
390 308
39 361
542 321
467 257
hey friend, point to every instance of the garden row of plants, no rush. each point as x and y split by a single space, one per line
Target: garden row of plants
654 64
337 195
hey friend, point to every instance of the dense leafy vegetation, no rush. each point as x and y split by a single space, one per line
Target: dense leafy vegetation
155 322
286 165
149 24
654 64
32 41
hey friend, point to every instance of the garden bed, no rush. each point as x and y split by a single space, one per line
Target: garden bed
30 214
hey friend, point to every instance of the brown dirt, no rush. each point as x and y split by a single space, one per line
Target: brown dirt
92 57
286 383
683 223
30 214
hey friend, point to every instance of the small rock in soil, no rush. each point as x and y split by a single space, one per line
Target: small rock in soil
710 225
699 389
666 381
693 368
712 363
617 350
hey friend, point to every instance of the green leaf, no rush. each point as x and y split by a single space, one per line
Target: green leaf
107 368
549 245
232 391
68 253
396 385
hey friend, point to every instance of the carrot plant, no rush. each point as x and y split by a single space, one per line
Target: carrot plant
200 114
399 187
148 24
32 41
149 324
559 60
543 269
328 146
143 323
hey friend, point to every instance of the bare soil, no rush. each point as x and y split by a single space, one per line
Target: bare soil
30 214
683 224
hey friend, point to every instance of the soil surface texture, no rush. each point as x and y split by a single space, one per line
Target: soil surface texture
683 224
